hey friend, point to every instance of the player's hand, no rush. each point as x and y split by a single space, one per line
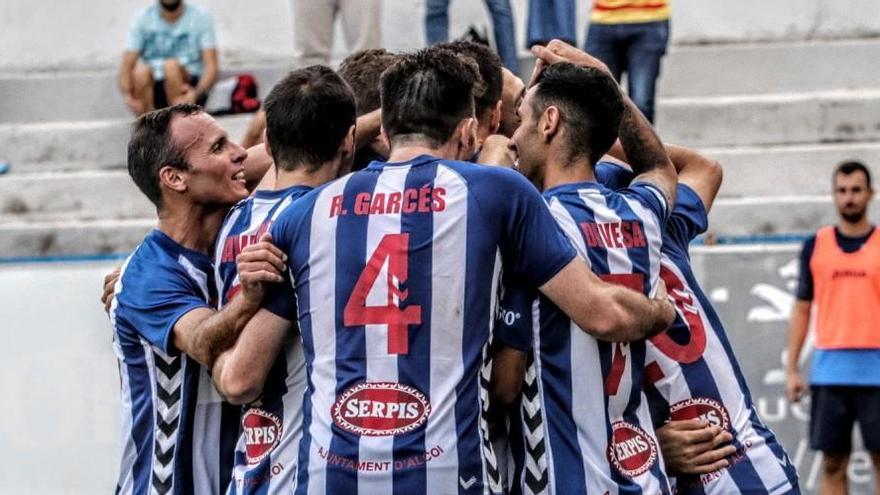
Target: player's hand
795 387
559 51
667 308
259 264
110 288
495 151
692 446
134 105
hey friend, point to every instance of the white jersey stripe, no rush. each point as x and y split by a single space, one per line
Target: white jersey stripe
125 483
322 298
447 328
380 365
584 367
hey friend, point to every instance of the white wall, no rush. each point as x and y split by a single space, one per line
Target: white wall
45 34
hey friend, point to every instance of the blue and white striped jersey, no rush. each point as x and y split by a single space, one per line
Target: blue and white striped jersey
693 373
177 433
584 420
271 426
394 271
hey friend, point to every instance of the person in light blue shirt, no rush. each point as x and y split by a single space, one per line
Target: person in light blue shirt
170 57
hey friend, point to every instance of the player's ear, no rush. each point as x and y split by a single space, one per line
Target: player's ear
467 138
495 118
172 178
550 123
267 145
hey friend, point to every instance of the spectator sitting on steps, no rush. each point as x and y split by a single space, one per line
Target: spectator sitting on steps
170 58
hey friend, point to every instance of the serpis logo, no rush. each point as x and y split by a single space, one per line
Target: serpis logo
381 409
262 432
632 451
701 408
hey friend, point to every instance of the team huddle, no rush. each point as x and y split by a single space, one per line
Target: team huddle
499 299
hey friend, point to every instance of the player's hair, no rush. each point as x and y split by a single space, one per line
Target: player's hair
363 71
308 114
151 147
590 104
851 166
428 93
490 71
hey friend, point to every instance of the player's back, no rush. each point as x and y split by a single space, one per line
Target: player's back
692 371
695 374
265 460
583 397
395 269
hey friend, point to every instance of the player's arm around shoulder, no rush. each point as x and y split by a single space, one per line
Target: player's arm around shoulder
204 333
240 372
606 311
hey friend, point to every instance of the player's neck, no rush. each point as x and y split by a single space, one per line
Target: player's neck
565 171
194 228
302 176
857 229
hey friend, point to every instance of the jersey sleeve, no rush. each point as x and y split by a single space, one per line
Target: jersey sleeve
135 40
689 217
613 175
514 318
533 247
152 301
206 37
805 274
651 197
280 298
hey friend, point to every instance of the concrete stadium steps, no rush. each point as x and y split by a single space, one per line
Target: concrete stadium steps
829 116
775 215
89 95
759 68
761 171
689 70
784 118
82 144
71 237
85 195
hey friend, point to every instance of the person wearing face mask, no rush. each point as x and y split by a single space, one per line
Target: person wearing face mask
170 57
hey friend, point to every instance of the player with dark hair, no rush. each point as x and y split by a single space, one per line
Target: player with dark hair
363 72
487 106
585 424
839 291
393 279
310 117
178 434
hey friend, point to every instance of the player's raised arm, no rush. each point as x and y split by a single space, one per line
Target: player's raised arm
644 149
606 311
697 171
204 333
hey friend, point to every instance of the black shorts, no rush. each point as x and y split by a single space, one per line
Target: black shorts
833 411
160 99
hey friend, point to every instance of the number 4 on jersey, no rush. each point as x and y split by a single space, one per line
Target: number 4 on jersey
393 248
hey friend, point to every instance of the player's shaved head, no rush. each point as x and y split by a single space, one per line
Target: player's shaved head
308 115
427 94
363 72
151 147
590 103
